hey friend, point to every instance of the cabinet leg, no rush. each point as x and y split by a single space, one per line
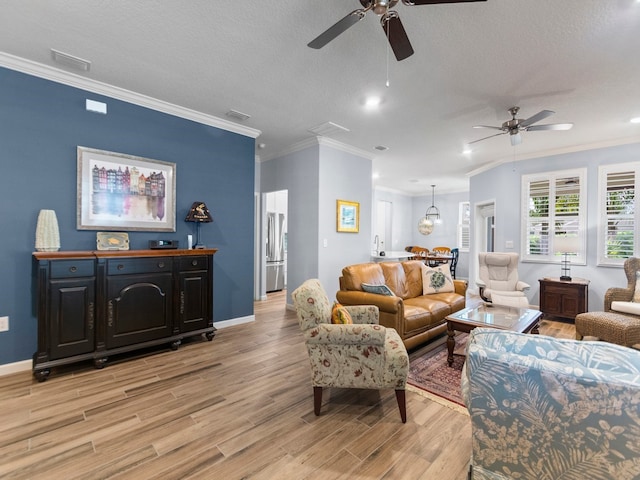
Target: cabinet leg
210 335
175 345
99 363
41 375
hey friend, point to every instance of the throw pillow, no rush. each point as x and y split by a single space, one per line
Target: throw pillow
436 280
379 289
636 294
340 315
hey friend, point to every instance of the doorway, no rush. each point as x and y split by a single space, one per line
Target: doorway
273 248
382 232
484 222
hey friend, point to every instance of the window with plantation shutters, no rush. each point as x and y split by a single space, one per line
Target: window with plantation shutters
618 213
464 226
554 204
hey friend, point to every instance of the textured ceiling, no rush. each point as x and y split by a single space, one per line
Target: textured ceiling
472 61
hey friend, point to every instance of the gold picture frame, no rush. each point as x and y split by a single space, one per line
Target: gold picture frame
347 216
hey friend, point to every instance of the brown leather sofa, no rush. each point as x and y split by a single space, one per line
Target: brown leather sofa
416 317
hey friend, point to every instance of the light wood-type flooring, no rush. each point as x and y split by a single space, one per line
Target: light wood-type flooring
239 407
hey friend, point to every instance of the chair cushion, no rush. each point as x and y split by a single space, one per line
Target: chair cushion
626 307
340 315
636 293
379 289
436 280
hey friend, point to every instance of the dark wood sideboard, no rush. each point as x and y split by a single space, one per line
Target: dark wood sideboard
94 304
562 298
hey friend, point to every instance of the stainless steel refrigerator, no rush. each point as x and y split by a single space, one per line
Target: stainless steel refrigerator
275 252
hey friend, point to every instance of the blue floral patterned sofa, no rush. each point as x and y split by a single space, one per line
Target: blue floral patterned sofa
547 408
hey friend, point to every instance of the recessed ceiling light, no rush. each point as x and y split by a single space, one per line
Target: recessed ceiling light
467 151
635 119
382 148
372 102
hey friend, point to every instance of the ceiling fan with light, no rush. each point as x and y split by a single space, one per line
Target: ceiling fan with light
389 19
516 125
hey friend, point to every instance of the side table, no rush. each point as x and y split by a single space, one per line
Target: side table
564 298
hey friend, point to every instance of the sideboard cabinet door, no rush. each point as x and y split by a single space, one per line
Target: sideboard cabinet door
71 317
139 300
194 312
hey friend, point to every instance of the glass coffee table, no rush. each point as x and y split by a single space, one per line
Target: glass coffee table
521 320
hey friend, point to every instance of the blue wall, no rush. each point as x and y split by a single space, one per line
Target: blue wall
41 125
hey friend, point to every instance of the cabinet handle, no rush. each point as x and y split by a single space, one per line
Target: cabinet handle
120 267
90 315
194 262
181 302
73 269
161 264
110 313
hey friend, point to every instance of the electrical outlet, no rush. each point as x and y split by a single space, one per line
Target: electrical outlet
4 324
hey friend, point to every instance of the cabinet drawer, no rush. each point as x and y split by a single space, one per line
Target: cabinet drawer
128 266
193 263
562 289
72 268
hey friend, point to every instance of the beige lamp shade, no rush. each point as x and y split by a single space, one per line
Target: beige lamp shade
566 244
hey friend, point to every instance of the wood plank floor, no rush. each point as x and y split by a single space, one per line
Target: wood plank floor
239 407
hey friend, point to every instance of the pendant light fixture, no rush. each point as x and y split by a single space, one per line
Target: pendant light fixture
431 217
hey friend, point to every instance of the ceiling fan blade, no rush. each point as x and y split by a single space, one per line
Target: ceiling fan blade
487 126
536 118
490 136
397 35
551 126
516 138
340 27
436 2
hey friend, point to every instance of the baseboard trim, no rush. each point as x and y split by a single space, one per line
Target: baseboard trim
235 321
16 367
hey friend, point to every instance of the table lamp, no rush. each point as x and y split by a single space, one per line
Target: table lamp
566 245
198 213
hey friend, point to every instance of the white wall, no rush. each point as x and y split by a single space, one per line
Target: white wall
503 184
298 173
401 218
343 176
316 177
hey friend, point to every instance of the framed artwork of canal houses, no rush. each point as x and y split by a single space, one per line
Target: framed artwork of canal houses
124 192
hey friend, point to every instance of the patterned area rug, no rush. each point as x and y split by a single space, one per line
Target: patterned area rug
431 375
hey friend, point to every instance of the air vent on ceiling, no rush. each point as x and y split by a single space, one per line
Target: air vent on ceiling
238 115
382 148
327 129
70 61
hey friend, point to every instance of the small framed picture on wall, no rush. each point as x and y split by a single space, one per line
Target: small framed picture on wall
348 216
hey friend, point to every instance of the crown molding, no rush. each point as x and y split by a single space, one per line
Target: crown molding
556 151
319 141
73 80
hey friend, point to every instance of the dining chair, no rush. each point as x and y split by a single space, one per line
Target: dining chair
455 253
439 251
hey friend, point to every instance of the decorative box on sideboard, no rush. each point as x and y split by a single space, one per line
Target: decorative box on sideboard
562 298
91 305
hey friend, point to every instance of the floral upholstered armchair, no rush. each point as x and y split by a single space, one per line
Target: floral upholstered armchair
358 355
547 408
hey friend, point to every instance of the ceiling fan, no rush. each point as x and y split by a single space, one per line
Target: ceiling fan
389 19
516 125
